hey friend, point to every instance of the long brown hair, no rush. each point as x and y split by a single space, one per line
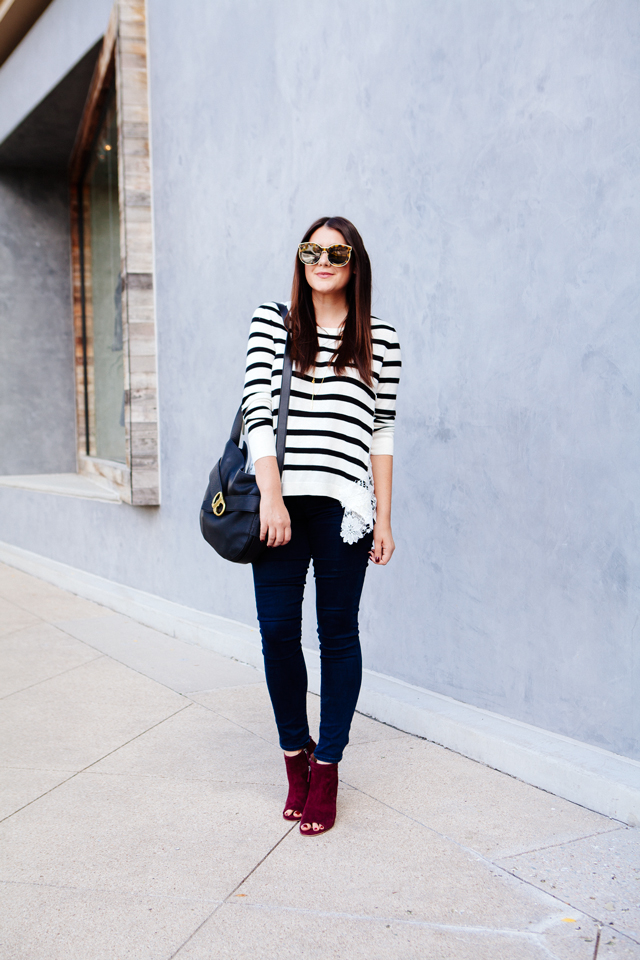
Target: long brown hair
355 348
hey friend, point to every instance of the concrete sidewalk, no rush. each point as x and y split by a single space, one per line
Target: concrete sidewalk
142 789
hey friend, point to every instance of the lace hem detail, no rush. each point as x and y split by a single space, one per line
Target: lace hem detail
354 524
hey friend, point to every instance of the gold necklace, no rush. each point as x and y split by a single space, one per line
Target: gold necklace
313 392
313 382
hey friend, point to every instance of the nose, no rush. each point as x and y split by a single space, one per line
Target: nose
324 259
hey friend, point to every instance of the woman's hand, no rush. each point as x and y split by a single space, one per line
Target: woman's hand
275 524
383 545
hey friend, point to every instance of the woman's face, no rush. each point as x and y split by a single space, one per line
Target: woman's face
322 276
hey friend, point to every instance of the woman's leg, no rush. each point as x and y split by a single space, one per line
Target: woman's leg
279 577
339 570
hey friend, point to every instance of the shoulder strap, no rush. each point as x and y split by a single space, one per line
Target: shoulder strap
236 429
285 393
283 408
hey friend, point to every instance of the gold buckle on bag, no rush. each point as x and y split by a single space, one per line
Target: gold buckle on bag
218 505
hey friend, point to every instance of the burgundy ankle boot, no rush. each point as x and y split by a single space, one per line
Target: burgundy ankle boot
298 777
320 807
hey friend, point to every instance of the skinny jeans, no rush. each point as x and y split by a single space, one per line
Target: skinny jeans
279 577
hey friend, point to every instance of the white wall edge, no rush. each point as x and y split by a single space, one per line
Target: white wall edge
585 774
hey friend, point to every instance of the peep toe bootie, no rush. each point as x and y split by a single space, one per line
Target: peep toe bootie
319 813
298 777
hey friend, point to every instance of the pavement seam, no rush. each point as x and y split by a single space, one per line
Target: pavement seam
605 924
110 611
93 762
563 843
492 863
431 924
176 780
409 736
128 665
196 646
234 722
44 619
401 736
36 769
236 686
28 626
114 890
52 677
226 899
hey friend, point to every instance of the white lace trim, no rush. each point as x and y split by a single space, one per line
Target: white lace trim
356 496
356 523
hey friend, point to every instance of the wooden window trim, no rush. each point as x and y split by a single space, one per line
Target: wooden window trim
123 56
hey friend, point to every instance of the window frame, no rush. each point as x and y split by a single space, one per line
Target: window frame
123 61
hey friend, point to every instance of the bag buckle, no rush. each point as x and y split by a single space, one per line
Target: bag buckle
218 505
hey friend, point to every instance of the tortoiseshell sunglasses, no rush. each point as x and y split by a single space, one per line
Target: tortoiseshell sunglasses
338 254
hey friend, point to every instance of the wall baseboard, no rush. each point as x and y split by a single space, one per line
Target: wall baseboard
587 775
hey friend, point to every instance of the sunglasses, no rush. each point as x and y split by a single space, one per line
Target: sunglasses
338 254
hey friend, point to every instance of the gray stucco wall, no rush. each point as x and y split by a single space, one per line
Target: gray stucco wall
488 154
37 398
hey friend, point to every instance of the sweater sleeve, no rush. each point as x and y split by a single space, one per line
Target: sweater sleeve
385 409
256 400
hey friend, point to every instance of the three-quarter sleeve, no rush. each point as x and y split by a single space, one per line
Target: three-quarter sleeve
385 341
256 399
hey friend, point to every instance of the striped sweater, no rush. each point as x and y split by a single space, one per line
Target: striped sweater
335 423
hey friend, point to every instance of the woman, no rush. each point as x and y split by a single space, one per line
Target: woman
337 467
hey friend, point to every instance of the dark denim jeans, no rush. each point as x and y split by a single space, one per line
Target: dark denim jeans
279 577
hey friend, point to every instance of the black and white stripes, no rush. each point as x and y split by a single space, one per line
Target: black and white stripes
335 423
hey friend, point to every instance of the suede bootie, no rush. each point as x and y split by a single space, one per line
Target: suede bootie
298 777
320 808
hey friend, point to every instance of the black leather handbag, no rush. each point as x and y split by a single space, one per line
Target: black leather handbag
230 512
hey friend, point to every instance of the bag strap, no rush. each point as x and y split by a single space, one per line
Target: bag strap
285 393
283 407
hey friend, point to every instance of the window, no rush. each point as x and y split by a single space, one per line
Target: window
101 281
116 390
